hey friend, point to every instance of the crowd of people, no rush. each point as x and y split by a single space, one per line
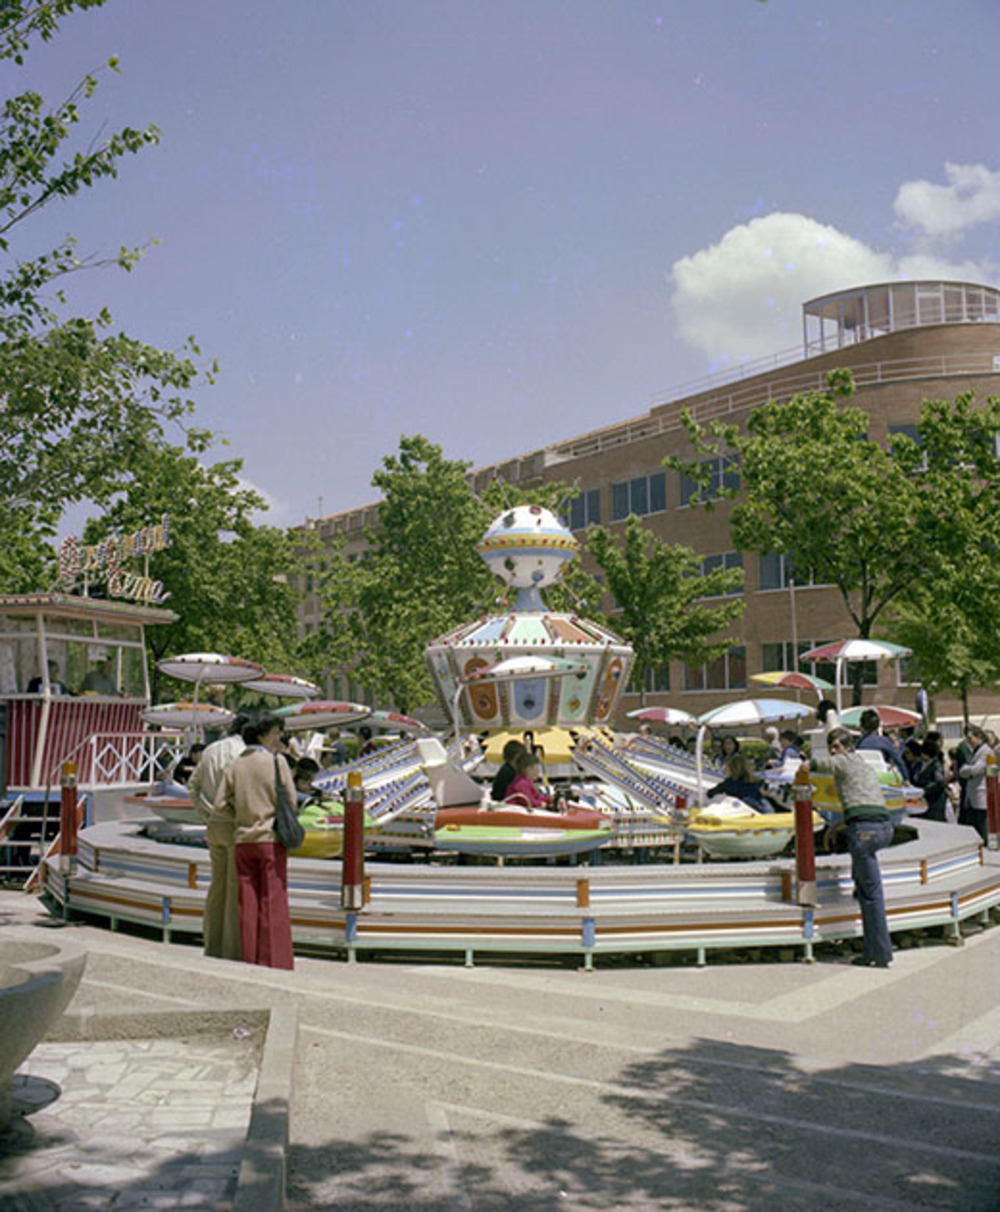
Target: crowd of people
952 779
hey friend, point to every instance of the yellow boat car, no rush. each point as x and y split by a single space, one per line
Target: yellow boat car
732 829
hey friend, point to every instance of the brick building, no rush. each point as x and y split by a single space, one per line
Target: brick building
904 342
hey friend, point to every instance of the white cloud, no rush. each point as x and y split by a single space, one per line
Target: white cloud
742 297
276 513
972 196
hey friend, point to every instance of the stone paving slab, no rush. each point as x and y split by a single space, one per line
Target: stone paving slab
129 1124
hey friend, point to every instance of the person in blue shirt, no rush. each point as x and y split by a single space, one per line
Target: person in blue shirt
790 746
873 739
741 784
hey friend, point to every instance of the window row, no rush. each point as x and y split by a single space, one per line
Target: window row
643 495
729 671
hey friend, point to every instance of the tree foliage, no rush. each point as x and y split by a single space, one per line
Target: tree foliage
661 595
225 575
950 615
814 488
906 531
77 399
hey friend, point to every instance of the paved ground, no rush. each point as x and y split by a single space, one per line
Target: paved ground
434 1088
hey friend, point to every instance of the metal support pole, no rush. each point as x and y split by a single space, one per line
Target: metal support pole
67 819
352 885
805 841
992 803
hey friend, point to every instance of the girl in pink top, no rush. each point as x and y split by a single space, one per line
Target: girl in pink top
522 789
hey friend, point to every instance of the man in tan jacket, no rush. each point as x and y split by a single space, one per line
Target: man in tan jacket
222 914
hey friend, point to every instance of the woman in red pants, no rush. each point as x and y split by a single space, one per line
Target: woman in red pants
248 796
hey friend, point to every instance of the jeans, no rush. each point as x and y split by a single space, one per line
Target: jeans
864 840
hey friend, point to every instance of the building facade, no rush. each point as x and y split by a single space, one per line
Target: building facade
903 342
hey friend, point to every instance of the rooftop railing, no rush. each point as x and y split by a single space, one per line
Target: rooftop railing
741 397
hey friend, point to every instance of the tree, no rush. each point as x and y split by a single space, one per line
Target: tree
225 575
814 488
659 589
882 524
949 653
420 575
78 399
950 615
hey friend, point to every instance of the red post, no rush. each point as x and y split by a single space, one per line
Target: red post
805 841
992 803
352 886
67 817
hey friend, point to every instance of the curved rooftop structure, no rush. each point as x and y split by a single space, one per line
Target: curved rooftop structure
847 316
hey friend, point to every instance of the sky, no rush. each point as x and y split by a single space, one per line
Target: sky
501 223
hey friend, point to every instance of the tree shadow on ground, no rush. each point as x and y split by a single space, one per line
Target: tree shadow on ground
707 1126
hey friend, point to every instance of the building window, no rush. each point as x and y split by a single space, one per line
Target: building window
727 560
585 510
777 572
657 681
727 672
641 496
907 672
723 472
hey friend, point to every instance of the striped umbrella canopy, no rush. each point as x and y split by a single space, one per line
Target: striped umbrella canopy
857 649
792 679
321 713
188 715
889 716
662 715
396 721
209 667
283 686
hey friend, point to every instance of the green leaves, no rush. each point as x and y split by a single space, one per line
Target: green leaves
78 402
661 591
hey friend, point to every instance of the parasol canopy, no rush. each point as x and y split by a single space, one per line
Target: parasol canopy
744 713
854 650
889 716
516 667
209 667
188 715
792 679
662 715
397 721
283 686
321 713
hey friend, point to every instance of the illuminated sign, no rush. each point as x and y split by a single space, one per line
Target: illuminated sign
106 562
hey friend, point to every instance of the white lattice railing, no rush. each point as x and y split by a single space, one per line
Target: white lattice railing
124 759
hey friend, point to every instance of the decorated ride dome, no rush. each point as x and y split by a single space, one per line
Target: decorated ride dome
530 667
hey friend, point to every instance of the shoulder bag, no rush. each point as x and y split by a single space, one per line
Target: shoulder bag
287 826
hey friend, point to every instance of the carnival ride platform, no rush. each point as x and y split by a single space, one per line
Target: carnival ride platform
938 879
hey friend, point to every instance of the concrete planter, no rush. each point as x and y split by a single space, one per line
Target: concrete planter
38 977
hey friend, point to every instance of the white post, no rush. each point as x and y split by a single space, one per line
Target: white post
699 749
